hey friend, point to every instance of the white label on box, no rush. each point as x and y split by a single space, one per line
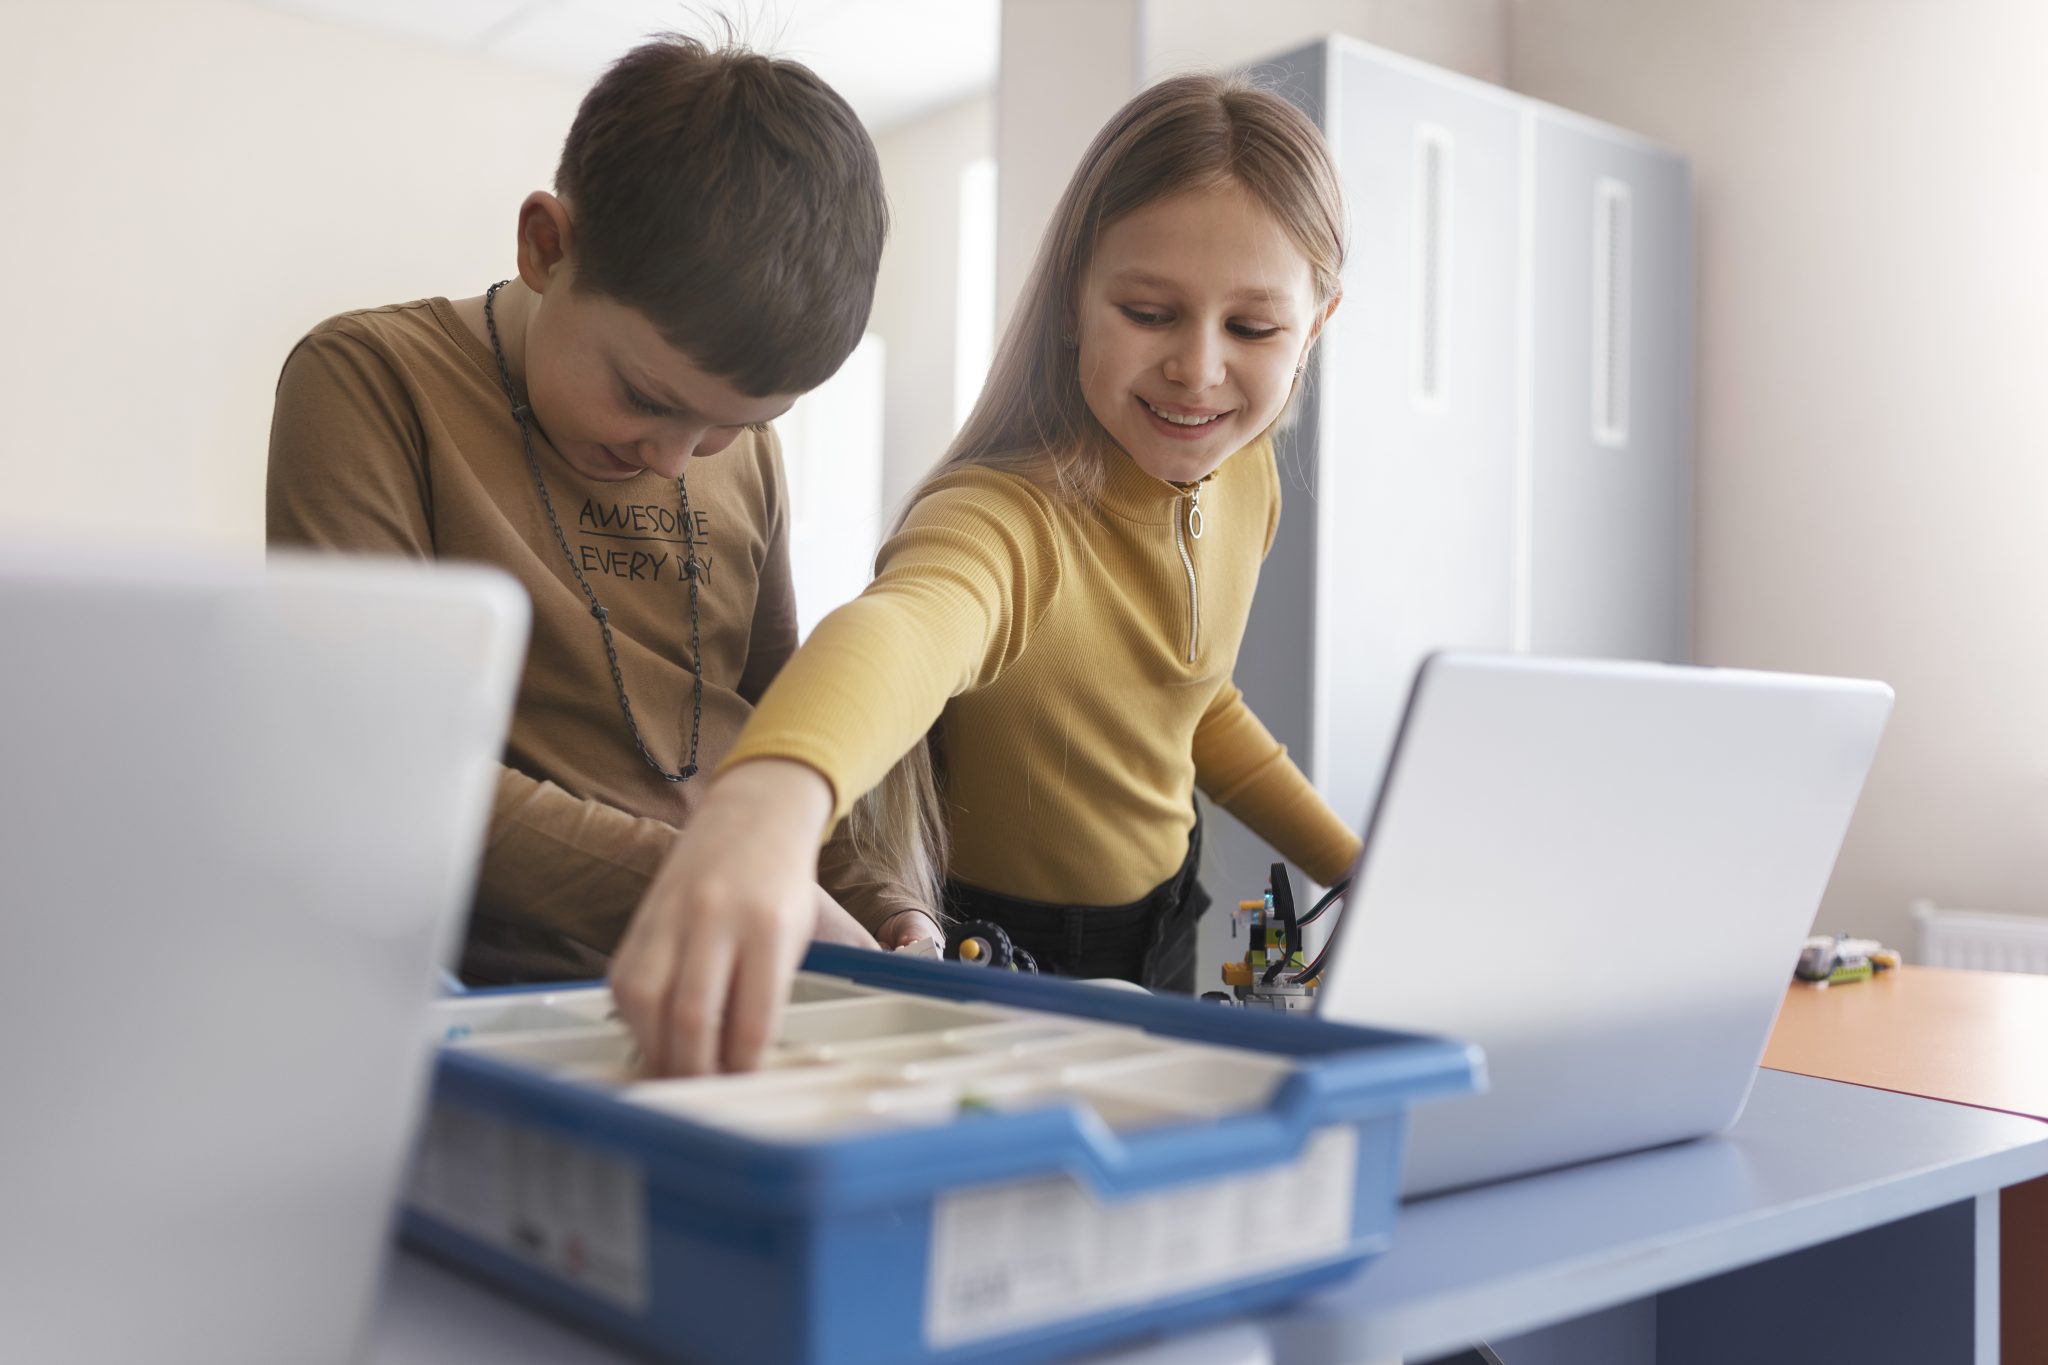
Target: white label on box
573 1212
1031 1252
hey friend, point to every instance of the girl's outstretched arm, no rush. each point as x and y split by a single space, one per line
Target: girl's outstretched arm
702 972
1242 768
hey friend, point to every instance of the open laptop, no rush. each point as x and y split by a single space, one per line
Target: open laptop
1601 873
239 827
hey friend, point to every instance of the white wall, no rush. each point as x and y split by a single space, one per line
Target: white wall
193 183
916 294
1067 65
1873 390
1469 36
832 450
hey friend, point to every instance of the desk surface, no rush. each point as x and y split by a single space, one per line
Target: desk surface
1809 1161
1966 1037
430 1315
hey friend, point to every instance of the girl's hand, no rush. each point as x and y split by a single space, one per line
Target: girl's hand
705 966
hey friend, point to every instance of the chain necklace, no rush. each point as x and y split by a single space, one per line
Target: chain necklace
523 415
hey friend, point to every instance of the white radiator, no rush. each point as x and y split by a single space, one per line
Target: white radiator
1981 940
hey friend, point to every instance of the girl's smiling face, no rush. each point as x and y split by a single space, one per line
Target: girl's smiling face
1190 321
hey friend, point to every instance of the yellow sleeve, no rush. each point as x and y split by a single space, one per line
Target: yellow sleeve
1242 768
956 594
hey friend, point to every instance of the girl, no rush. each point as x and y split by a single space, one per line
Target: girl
1054 624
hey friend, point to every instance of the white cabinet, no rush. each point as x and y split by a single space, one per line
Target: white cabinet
1494 450
1608 568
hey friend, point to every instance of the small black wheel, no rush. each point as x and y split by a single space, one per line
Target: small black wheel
1022 961
1220 997
979 943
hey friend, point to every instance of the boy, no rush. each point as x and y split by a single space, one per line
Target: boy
597 426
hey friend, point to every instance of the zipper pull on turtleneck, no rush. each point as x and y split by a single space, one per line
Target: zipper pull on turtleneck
1186 530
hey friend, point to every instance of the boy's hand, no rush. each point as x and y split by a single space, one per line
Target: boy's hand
907 927
835 925
705 966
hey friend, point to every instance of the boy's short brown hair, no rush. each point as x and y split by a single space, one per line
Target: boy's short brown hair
736 201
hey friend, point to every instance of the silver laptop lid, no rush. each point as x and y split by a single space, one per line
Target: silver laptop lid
240 827
1601 874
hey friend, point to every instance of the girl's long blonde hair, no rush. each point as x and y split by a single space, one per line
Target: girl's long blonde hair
1185 134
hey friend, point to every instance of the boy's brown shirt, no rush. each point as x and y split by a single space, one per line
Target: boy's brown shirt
392 434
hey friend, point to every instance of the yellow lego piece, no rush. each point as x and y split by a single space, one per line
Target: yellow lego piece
1237 973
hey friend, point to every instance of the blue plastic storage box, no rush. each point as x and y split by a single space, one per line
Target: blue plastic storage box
939 1164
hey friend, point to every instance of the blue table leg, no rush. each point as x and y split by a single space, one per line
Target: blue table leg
1906 1293
1922 1291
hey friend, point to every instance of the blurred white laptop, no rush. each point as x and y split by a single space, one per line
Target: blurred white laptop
240 823
1601 873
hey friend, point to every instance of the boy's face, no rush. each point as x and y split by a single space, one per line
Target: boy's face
1189 324
616 399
